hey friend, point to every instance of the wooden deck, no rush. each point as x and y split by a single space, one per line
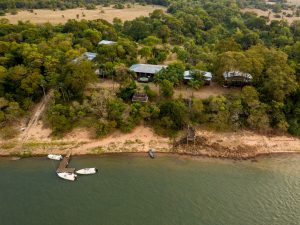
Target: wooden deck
63 165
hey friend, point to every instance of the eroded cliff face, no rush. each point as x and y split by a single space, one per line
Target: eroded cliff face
241 145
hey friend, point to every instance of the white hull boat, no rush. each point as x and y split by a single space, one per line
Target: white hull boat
54 157
87 171
68 176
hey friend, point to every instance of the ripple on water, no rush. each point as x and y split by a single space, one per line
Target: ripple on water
167 190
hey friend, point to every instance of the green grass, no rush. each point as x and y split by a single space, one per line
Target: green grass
47 145
8 133
97 150
8 145
22 154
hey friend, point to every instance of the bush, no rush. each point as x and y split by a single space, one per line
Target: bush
90 7
152 95
119 6
277 16
127 125
173 114
166 88
126 92
8 133
104 127
59 119
13 12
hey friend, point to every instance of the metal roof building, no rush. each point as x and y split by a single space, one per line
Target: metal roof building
106 42
237 77
145 72
188 75
147 68
87 55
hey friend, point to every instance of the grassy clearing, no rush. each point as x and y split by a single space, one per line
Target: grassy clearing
39 16
97 150
7 133
47 145
8 145
294 2
22 154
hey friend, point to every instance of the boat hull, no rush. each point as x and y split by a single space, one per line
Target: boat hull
54 157
67 176
151 154
87 171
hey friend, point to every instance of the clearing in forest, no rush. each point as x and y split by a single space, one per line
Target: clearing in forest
39 16
294 2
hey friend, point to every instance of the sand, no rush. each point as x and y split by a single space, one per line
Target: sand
107 13
241 144
293 2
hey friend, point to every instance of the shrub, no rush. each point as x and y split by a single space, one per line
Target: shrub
119 6
9 132
90 7
104 127
13 12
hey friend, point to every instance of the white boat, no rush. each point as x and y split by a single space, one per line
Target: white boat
151 153
67 176
87 171
54 157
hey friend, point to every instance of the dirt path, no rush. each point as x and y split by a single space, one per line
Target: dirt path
213 89
40 108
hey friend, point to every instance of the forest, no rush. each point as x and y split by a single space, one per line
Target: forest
204 34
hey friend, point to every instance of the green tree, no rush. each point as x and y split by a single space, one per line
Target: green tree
173 73
77 76
173 114
255 110
166 88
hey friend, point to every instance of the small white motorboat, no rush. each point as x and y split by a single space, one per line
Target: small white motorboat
87 171
54 157
151 153
68 176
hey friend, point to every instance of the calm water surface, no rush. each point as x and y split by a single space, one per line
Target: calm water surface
136 190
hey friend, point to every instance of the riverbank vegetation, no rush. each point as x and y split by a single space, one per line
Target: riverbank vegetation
205 35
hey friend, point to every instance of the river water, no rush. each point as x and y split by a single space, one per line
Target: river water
136 190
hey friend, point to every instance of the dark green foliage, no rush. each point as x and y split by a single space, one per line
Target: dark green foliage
126 92
173 115
166 88
104 127
59 117
173 73
150 93
77 76
204 35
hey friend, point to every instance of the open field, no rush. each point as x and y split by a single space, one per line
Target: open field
294 2
39 16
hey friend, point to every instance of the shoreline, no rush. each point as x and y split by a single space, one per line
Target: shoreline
180 154
240 145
